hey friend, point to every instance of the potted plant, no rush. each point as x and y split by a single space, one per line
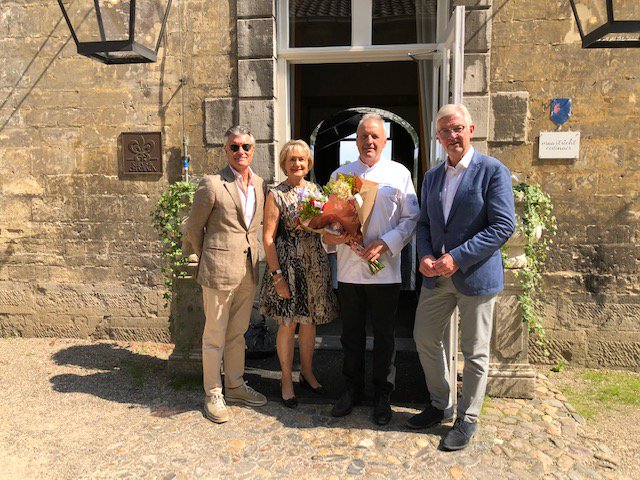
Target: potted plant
178 268
525 253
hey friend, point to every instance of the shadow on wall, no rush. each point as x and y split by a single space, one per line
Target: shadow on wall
6 102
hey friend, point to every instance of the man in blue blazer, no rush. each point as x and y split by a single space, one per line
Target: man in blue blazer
467 214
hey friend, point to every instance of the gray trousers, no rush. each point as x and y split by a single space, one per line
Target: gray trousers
433 315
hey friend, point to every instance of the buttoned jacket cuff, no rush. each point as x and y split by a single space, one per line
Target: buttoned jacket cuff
394 241
455 254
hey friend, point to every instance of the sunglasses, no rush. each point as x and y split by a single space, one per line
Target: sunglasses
245 146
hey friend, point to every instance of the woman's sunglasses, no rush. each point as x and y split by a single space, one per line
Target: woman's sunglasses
245 146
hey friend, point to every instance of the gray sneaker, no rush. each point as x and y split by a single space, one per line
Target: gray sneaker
245 394
215 408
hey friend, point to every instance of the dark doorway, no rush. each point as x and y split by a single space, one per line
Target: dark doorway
329 101
334 142
321 91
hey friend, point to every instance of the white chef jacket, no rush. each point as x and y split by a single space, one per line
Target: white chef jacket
393 219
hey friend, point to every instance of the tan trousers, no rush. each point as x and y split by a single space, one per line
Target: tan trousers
227 319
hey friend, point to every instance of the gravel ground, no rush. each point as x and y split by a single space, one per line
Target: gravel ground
81 409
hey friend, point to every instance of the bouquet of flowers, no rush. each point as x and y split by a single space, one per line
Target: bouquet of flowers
343 207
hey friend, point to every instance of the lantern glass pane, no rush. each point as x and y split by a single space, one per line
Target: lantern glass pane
626 10
149 16
592 14
403 21
99 20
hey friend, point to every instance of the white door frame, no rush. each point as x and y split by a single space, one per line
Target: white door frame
361 50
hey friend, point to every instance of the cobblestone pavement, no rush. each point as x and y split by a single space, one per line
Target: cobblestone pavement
81 409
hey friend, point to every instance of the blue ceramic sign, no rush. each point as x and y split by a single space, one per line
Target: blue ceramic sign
560 110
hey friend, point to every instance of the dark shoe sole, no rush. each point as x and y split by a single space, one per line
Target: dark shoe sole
304 384
382 420
341 414
289 402
346 412
428 425
455 448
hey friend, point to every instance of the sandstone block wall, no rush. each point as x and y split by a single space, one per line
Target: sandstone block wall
78 256
592 309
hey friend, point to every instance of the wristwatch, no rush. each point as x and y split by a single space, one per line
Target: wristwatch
276 272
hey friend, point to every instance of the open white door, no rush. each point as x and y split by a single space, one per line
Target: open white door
451 77
441 79
448 75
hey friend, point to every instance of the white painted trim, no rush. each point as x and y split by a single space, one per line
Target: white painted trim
436 148
282 104
458 54
454 67
451 70
282 107
355 54
361 22
442 20
282 24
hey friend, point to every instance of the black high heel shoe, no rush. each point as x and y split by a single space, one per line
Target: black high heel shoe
319 390
289 402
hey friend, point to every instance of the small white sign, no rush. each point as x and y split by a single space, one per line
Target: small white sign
559 145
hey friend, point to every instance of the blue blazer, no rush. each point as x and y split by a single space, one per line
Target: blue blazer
481 220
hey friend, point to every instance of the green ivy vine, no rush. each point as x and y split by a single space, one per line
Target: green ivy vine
167 219
536 217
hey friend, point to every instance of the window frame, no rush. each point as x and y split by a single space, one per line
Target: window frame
361 50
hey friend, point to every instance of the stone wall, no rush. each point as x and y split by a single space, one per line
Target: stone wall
78 256
592 308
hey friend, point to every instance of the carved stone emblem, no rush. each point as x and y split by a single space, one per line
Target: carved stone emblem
141 153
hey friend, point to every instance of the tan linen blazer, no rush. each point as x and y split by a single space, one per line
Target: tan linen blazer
217 232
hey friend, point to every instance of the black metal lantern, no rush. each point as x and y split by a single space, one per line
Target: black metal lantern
117 31
608 23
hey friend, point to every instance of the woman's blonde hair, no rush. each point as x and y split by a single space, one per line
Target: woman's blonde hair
295 146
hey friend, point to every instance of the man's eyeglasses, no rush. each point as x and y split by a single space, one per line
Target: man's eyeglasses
245 146
447 132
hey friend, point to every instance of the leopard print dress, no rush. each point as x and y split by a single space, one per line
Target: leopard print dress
304 265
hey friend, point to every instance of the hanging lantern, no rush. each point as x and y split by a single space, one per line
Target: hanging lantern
608 23
117 31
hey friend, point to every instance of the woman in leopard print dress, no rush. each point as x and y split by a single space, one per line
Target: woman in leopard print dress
296 289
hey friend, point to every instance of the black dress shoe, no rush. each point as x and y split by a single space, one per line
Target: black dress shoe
319 390
289 402
382 409
429 417
346 402
460 435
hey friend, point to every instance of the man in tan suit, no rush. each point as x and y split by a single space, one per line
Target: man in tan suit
222 228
